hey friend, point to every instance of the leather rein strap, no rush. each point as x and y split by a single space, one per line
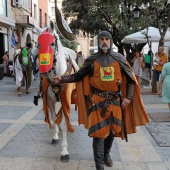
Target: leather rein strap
56 88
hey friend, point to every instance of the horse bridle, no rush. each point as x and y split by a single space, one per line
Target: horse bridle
56 88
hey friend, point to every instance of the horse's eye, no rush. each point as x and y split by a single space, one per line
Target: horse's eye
52 44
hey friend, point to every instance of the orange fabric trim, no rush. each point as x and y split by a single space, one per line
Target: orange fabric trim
67 96
135 113
45 106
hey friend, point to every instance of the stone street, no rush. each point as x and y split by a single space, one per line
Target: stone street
25 139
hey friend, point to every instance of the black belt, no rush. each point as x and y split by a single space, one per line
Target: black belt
104 104
107 95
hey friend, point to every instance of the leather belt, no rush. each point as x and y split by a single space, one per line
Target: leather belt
107 95
104 104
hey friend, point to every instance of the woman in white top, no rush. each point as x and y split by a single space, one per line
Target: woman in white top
137 66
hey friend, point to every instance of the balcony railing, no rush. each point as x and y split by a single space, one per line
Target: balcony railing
25 20
25 4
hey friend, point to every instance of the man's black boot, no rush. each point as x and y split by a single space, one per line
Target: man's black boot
107 147
98 151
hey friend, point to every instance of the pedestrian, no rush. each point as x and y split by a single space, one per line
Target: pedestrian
80 59
137 66
147 60
105 74
156 57
5 62
162 60
165 81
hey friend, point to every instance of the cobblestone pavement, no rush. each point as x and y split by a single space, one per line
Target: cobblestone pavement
25 140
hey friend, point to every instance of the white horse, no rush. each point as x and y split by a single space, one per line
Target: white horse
59 103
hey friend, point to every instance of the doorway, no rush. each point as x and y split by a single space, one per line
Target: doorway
2 47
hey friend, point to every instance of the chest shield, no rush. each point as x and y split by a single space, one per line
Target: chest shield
24 57
46 53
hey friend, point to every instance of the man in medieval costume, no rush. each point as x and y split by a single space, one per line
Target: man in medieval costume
109 102
22 68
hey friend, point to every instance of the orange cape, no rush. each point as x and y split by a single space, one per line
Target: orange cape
67 98
135 113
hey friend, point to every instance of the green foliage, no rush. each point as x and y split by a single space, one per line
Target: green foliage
72 45
116 16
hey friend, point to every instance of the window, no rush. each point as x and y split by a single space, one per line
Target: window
52 10
45 19
40 18
3 10
35 11
26 4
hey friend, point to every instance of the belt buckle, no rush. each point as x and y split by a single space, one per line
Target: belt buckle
109 97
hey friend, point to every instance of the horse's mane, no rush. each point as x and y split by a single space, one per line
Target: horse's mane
59 44
17 51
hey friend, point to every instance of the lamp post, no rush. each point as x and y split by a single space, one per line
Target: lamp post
136 12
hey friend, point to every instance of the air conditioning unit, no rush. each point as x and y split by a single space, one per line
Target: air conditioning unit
17 2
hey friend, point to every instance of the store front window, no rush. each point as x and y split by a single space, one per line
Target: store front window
3 10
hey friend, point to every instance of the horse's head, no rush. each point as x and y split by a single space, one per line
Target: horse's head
52 55
48 46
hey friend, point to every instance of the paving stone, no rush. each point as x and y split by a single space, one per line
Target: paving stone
26 143
13 112
4 126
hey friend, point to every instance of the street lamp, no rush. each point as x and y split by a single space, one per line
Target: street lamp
136 11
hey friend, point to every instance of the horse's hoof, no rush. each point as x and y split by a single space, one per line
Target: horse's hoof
65 158
20 94
55 141
27 92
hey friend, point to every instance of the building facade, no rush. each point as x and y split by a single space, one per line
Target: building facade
17 19
84 42
7 21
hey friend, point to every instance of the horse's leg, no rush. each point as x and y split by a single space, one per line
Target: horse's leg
65 96
27 91
19 91
55 138
64 145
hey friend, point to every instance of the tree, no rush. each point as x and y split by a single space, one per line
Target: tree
91 16
160 10
72 45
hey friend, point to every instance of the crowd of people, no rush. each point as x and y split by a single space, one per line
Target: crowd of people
161 65
162 69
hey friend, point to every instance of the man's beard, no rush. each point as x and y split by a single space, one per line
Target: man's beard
104 47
